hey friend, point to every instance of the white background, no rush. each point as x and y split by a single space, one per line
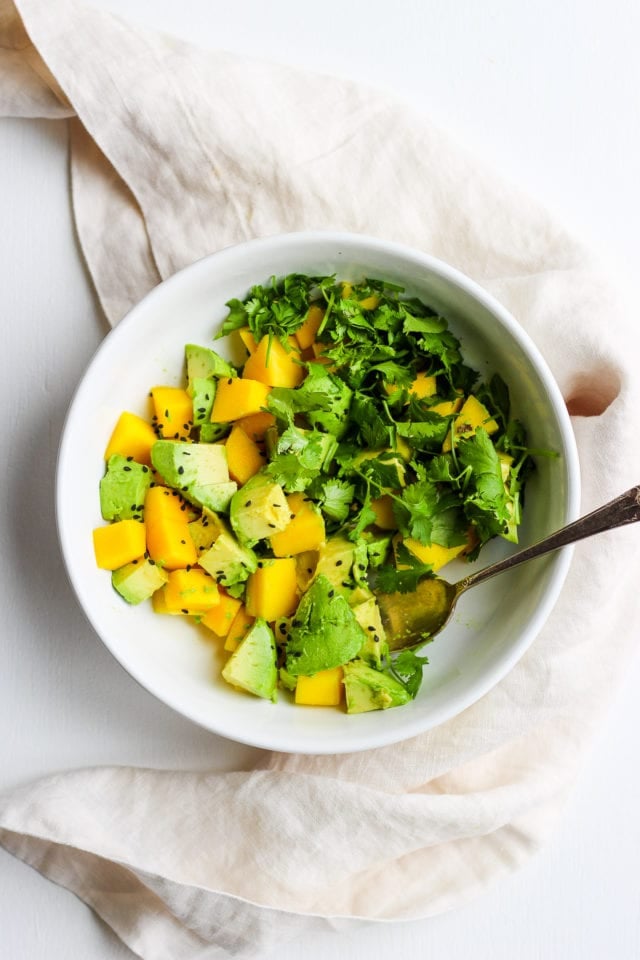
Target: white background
545 91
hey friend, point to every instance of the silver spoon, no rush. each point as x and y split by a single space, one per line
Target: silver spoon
409 618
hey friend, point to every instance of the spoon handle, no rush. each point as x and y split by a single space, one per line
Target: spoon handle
618 512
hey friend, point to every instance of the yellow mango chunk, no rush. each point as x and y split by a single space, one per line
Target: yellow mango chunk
306 564
473 414
248 339
272 591
132 437
346 290
244 458
119 543
238 397
190 591
447 407
383 509
306 334
369 303
167 523
257 425
423 385
434 554
173 412
272 363
220 617
158 602
323 689
305 530
239 626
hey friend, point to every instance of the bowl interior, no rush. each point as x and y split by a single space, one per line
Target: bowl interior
180 662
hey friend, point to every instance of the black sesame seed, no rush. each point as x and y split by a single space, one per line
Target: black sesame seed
272 525
134 506
338 563
180 470
129 459
184 610
183 541
248 503
183 507
176 436
260 563
185 426
276 506
283 628
309 570
136 516
371 628
376 639
146 554
362 566
152 562
292 516
206 396
202 409
145 469
134 562
188 566
184 488
166 413
128 469
219 573
331 594
229 381
346 583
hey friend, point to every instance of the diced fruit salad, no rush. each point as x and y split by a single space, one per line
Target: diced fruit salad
352 446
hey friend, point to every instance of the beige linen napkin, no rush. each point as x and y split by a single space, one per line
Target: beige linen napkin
175 153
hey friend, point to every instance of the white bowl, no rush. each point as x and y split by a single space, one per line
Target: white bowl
172 657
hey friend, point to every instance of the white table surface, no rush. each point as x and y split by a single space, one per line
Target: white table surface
548 93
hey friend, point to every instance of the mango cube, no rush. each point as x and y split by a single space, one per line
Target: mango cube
190 591
238 397
434 554
132 437
274 364
244 458
173 408
383 509
306 334
473 414
256 425
239 626
323 689
119 543
305 530
272 591
220 617
169 541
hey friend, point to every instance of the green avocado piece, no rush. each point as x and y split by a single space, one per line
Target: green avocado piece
203 363
324 632
335 560
203 392
374 648
198 470
258 510
206 529
123 488
228 561
136 581
368 689
378 546
212 432
252 665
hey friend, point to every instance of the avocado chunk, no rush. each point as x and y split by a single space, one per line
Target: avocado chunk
368 689
123 488
204 392
258 510
252 665
206 529
335 559
212 432
136 581
228 561
203 363
198 470
324 632
374 648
